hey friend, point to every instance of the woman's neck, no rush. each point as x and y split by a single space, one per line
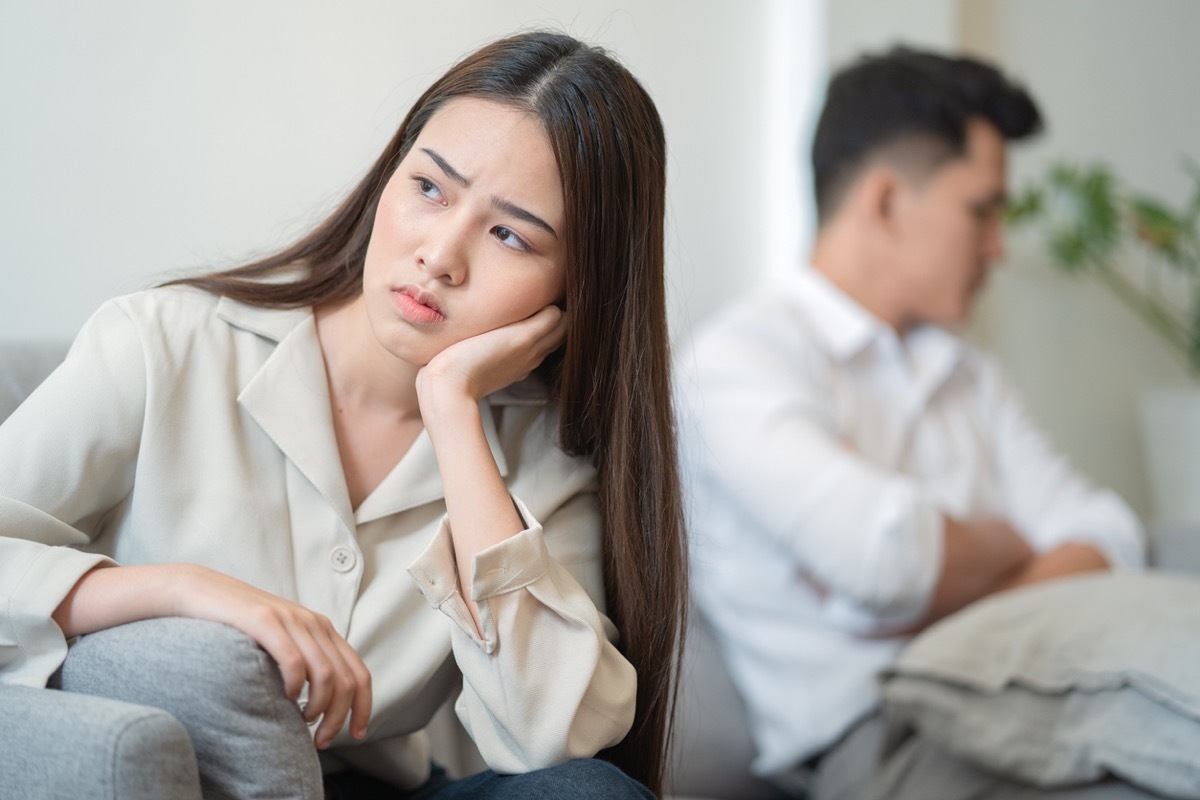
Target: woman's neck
363 376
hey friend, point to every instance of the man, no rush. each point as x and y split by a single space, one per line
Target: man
857 471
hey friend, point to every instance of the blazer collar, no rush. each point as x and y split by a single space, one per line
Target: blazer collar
288 397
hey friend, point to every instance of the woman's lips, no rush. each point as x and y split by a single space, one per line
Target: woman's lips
417 306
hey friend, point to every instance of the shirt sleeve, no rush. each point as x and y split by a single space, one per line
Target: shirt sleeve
1049 502
67 457
544 683
767 441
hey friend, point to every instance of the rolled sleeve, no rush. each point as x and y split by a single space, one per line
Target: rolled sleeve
543 682
1050 502
857 530
887 575
512 564
504 567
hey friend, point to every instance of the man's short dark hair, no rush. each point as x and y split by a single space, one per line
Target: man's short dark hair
903 97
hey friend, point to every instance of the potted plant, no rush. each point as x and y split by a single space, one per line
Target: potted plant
1147 253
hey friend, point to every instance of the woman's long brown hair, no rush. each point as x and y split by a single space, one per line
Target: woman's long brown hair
612 377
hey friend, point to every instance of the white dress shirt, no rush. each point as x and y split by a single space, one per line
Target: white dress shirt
183 428
821 452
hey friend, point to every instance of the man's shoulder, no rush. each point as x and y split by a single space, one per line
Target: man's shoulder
770 318
972 362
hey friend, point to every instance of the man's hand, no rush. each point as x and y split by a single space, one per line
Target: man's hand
976 557
1066 559
983 557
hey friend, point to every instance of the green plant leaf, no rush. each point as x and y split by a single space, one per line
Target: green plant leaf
1087 218
1157 227
1193 331
1025 207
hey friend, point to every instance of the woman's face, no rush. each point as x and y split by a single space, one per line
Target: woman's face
468 234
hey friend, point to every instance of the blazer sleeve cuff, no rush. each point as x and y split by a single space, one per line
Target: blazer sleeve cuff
504 567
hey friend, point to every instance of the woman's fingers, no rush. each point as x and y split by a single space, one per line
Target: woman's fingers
497 358
360 707
336 680
305 645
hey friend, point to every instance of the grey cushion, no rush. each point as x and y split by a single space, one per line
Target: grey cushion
1065 682
23 365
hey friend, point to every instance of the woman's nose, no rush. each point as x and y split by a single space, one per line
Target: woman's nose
442 253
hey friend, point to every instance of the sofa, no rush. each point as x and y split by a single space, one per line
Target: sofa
711 755
712 748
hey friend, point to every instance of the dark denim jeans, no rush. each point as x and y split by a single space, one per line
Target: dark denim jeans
585 779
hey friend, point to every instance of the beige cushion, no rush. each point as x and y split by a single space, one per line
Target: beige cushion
1065 682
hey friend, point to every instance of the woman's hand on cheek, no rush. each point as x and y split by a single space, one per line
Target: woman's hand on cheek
485 363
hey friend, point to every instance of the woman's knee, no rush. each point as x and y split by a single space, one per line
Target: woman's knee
585 778
188 667
224 689
604 780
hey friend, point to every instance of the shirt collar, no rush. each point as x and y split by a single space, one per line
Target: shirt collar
842 326
846 330
288 399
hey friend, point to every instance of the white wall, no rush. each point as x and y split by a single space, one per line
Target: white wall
857 26
140 137
1115 80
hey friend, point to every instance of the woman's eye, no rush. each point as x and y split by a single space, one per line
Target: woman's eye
510 239
428 188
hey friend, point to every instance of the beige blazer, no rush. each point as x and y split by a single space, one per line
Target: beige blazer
186 428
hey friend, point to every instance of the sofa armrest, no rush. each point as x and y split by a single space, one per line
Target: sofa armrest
712 747
56 744
1175 547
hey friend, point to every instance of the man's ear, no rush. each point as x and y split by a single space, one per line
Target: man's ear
876 196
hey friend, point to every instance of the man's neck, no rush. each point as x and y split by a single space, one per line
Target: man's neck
847 265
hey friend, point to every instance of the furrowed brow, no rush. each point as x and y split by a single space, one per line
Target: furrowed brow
528 216
445 167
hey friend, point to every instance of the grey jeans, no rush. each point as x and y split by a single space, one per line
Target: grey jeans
201 710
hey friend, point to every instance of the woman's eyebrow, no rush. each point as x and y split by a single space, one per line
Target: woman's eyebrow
514 209
445 167
505 206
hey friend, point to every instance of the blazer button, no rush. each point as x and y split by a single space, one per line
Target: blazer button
342 558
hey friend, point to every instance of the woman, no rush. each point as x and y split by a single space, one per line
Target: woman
461 373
